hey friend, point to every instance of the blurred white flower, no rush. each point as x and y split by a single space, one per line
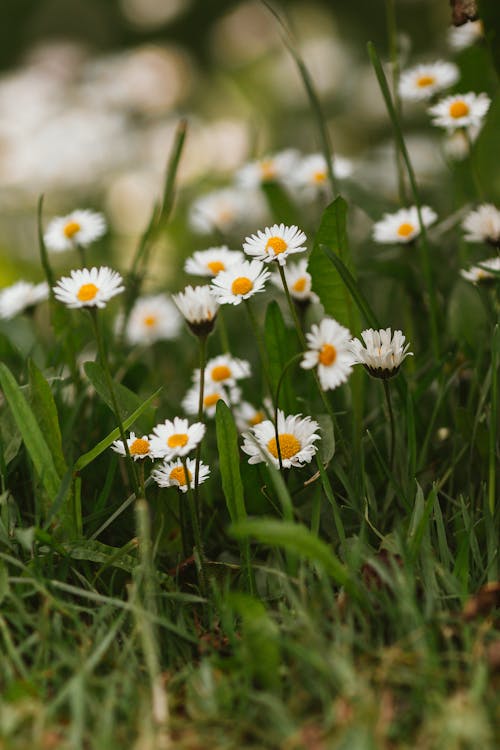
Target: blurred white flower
272 168
329 351
460 37
225 210
21 296
457 142
483 225
425 80
224 370
210 262
212 394
310 176
79 228
402 226
246 415
152 318
481 274
460 110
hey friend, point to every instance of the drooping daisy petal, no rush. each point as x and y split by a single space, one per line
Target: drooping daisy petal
199 308
173 474
138 447
81 227
89 287
460 110
483 225
423 81
296 438
329 351
381 353
481 274
240 282
175 438
152 318
402 226
21 296
275 243
210 262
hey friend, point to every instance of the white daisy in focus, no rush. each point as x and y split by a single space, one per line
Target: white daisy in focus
224 370
172 474
89 287
381 353
310 176
273 168
210 262
296 438
460 37
299 282
423 81
483 225
152 318
138 448
329 351
175 438
79 228
212 394
487 272
402 226
21 296
460 110
199 308
246 416
275 243
240 282
224 210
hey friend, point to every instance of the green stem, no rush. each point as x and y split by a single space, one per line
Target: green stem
260 345
492 461
81 253
388 399
392 33
472 164
203 359
224 339
200 562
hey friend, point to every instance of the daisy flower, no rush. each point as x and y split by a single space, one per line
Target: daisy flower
381 353
298 281
460 37
275 243
210 262
175 438
21 296
81 227
423 81
329 351
246 416
212 394
273 168
296 438
173 474
224 210
483 225
89 287
138 448
240 282
460 110
402 226
152 318
198 307
224 370
310 175
480 274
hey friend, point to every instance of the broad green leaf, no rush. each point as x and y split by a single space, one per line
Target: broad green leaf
281 346
86 458
45 411
33 438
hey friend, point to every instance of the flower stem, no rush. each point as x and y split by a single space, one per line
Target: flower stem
387 391
200 561
81 253
203 359
392 33
261 346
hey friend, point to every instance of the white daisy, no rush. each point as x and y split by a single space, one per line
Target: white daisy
224 370
138 448
246 415
310 176
212 394
382 352
296 438
226 209
21 296
479 274
273 168
210 262
460 110
329 351
89 287
275 243
198 307
240 282
483 225
423 81
175 438
298 280
152 318
458 142
402 226
172 474
460 37
81 227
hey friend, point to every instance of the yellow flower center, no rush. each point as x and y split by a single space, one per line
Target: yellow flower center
327 355
177 440
405 229
276 244
319 176
424 81
139 447
289 446
71 228
150 321
267 169
459 109
215 266
87 292
241 285
210 400
221 372
179 475
300 284
257 418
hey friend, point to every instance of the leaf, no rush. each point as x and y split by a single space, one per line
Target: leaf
327 442
229 461
420 519
86 458
466 315
45 411
32 435
281 346
4 581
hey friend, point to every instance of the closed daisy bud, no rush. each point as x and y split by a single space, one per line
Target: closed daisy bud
138 448
460 110
175 438
381 353
275 243
402 226
81 227
423 81
89 287
240 282
210 262
296 436
483 225
329 351
199 308
21 296
173 474
485 274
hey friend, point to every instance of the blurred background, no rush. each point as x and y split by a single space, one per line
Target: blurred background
91 92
